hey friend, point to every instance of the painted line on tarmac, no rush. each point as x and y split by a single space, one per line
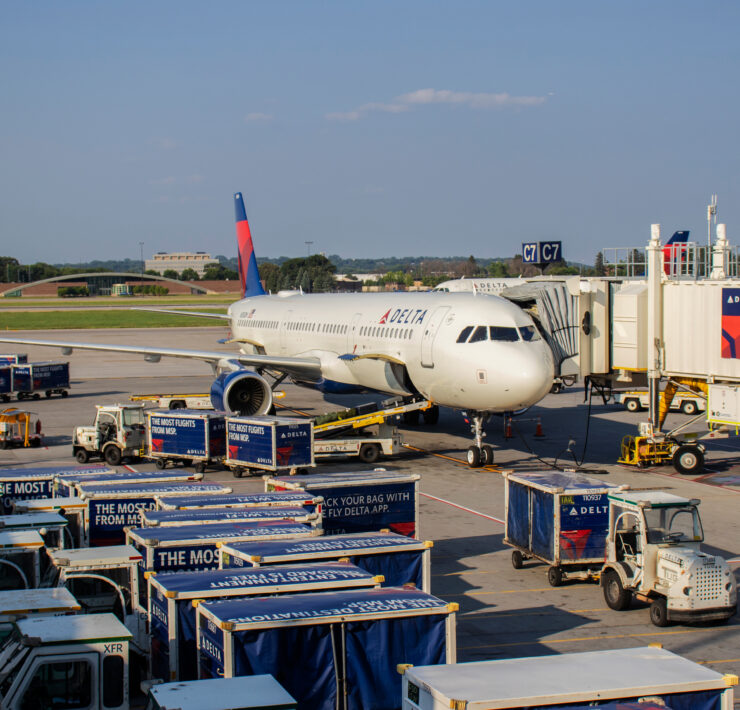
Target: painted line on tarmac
690 480
582 639
722 660
470 615
462 507
130 468
492 468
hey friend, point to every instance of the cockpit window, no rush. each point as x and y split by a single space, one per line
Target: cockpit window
481 333
501 333
464 333
529 333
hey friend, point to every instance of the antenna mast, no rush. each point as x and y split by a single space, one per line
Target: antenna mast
711 212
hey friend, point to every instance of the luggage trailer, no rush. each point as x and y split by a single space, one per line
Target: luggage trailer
347 644
69 485
51 526
399 559
73 509
311 503
173 599
212 516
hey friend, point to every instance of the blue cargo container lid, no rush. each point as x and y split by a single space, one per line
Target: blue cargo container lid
139 490
187 413
357 544
241 500
153 476
51 471
161 517
260 692
41 363
182 534
344 478
561 481
258 580
323 607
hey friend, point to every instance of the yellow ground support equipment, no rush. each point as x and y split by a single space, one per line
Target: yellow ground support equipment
16 429
646 451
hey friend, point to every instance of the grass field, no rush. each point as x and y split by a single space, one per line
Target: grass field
49 320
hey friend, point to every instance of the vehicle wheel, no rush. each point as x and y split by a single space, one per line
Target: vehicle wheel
431 415
82 456
237 472
689 407
632 405
474 457
659 612
411 418
688 459
615 595
47 394
35 443
486 455
160 463
200 467
568 380
556 387
4 444
65 393
177 404
36 395
555 576
112 455
517 559
186 463
369 453
20 396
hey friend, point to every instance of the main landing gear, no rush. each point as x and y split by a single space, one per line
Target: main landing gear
479 454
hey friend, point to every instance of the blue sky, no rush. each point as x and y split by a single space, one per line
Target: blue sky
369 128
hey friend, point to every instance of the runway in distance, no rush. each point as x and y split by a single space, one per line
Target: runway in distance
481 354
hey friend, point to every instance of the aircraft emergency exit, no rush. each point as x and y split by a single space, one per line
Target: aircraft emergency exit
483 355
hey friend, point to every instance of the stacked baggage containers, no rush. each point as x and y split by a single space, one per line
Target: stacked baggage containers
31 378
20 559
399 559
68 485
268 444
172 613
360 501
74 511
347 645
186 436
212 516
36 483
310 503
51 526
6 382
13 358
559 518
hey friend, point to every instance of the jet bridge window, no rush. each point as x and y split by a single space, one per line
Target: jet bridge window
504 334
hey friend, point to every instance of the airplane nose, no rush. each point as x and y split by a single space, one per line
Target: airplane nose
533 375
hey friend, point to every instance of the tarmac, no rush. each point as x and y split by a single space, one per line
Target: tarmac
503 612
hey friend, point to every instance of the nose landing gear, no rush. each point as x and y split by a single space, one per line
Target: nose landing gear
479 454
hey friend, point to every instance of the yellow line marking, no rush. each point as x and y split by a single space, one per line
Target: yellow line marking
499 591
491 468
723 660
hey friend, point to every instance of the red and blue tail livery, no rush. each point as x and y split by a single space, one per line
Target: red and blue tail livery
249 274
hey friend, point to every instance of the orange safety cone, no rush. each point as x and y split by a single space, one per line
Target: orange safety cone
508 433
538 433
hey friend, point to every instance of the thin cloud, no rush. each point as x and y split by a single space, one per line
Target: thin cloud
426 97
257 117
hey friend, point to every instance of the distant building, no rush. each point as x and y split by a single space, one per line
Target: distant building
179 261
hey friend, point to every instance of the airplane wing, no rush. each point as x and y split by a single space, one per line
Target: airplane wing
305 368
199 314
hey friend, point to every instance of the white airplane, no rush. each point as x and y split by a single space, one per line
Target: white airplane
483 355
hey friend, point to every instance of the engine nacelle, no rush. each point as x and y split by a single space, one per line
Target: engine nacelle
241 392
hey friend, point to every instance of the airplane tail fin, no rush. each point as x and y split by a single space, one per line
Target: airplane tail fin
248 273
679 238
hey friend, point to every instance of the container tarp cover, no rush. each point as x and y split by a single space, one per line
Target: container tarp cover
237 500
517 520
542 523
218 531
160 517
556 480
703 700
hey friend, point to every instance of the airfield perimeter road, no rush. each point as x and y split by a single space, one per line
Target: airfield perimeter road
503 612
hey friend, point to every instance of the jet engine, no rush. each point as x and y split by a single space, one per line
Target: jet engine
241 392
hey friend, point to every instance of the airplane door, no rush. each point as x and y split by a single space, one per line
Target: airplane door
430 331
284 335
353 333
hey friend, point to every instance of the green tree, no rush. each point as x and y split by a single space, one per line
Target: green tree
599 267
152 272
498 270
270 276
189 275
170 274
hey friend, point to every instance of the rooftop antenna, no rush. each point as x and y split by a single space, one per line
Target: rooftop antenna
711 212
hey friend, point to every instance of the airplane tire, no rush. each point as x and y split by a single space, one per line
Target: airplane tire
411 418
474 457
688 459
486 455
200 467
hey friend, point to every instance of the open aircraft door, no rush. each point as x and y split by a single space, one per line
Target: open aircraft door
430 332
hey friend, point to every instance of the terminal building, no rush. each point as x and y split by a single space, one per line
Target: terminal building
179 261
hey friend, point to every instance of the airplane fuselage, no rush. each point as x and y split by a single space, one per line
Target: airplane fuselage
403 343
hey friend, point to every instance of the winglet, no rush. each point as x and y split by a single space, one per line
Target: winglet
248 273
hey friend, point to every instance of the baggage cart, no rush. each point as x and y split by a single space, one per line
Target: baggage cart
174 654
257 692
69 485
74 511
196 547
268 444
19 428
6 382
13 358
112 508
33 483
606 679
211 516
349 643
51 526
186 436
559 518
399 559
361 501
20 604
20 559
310 502
32 378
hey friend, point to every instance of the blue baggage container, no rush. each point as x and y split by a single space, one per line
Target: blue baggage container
347 645
112 508
196 547
13 358
6 382
68 485
399 559
174 653
34 483
361 501
559 518
31 378
268 443
186 435
245 500
211 516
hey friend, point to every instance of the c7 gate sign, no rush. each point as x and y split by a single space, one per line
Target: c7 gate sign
542 252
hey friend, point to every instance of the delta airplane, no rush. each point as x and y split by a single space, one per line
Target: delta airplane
483 355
